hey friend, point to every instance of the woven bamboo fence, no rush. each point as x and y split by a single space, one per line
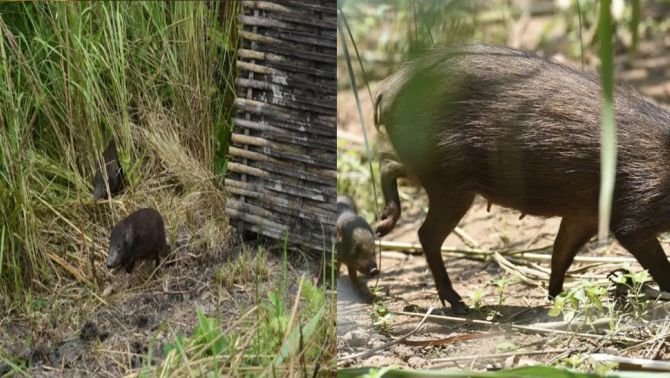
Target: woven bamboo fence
282 169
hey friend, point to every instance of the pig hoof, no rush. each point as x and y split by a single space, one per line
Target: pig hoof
460 308
553 294
383 227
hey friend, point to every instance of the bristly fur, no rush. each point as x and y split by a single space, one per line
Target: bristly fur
355 239
144 234
524 132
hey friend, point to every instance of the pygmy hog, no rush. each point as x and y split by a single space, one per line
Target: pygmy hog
140 236
114 173
523 132
355 243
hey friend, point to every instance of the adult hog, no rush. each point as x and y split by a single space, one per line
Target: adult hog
524 132
139 236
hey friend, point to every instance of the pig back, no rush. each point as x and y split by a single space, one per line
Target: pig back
521 130
148 231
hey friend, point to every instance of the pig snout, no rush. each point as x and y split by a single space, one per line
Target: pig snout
114 259
370 269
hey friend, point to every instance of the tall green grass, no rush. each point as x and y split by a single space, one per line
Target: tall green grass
156 76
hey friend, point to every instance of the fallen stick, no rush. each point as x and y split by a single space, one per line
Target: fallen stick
518 327
496 355
629 363
467 239
520 272
388 344
448 340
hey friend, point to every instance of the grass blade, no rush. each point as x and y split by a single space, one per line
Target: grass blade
608 151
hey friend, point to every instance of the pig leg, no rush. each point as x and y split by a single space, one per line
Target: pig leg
390 171
572 235
444 213
165 253
649 253
359 285
129 266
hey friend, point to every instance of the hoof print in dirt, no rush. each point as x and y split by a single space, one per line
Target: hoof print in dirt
68 353
356 338
140 236
413 308
142 321
39 353
90 332
139 352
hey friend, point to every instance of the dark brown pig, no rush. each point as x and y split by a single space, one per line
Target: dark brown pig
140 236
524 132
355 244
114 174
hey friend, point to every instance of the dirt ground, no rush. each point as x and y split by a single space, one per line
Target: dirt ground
82 333
406 284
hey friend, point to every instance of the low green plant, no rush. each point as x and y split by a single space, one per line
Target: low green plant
500 286
575 361
381 317
585 301
633 283
506 346
476 298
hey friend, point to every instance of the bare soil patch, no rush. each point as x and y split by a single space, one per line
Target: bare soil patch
124 326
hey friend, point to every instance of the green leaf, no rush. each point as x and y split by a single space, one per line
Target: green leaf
292 342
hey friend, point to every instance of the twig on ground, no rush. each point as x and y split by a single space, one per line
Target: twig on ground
653 339
659 343
518 327
562 325
628 363
449 340
467 239
495 355
517 271
388 344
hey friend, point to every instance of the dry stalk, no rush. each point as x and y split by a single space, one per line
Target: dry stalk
519 327
372 351
495 355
